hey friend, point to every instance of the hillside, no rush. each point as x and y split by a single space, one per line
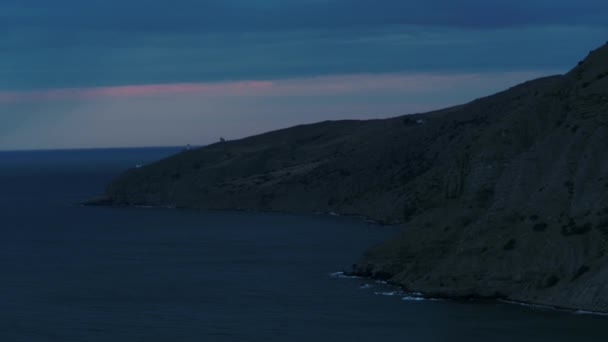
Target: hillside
506 196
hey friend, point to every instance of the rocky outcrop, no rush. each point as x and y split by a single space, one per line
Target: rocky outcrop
528 218
506 196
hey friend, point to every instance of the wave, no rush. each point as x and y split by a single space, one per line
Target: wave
594 313
405 296
343 275
389 293
553 308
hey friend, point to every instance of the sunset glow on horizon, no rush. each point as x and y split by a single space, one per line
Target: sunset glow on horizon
235 88
330 84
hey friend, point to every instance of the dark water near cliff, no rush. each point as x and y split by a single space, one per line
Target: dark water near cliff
72 273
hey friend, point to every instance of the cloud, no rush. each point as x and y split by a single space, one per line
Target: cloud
222 88
318 86
174 114
34 59
246 15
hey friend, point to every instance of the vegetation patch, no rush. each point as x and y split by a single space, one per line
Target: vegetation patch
382 275
550 282
510 245
465 221
571 228
409 122
570 186
582 270
409 211
344 173
602 75
484 196
603 227
540 227
514 218
603 223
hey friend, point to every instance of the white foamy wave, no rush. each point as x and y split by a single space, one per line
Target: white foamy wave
389 293
417 297
594 313
528 305
343 275
365 286
553 308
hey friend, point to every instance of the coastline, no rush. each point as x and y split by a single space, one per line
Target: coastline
101 201
420 293
475 298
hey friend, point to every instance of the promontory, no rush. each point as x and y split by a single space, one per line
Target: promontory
503 197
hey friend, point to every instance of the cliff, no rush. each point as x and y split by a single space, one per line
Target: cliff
506 196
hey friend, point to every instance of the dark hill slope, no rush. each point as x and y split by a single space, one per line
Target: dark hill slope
504 196
370 168
531 221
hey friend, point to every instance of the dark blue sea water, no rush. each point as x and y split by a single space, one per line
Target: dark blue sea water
72 273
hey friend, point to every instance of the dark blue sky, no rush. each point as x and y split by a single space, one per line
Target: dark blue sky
47 46
247 15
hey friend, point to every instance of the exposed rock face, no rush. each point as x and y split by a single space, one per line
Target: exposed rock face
506 196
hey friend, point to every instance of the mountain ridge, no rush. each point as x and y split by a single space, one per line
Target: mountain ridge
503 197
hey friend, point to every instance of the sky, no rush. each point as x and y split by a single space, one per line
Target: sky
81 74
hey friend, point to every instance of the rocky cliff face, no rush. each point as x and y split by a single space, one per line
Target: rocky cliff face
506 196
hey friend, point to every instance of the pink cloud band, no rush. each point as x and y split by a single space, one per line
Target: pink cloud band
314 86
224 88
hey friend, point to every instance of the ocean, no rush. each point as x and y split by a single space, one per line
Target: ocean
75 273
